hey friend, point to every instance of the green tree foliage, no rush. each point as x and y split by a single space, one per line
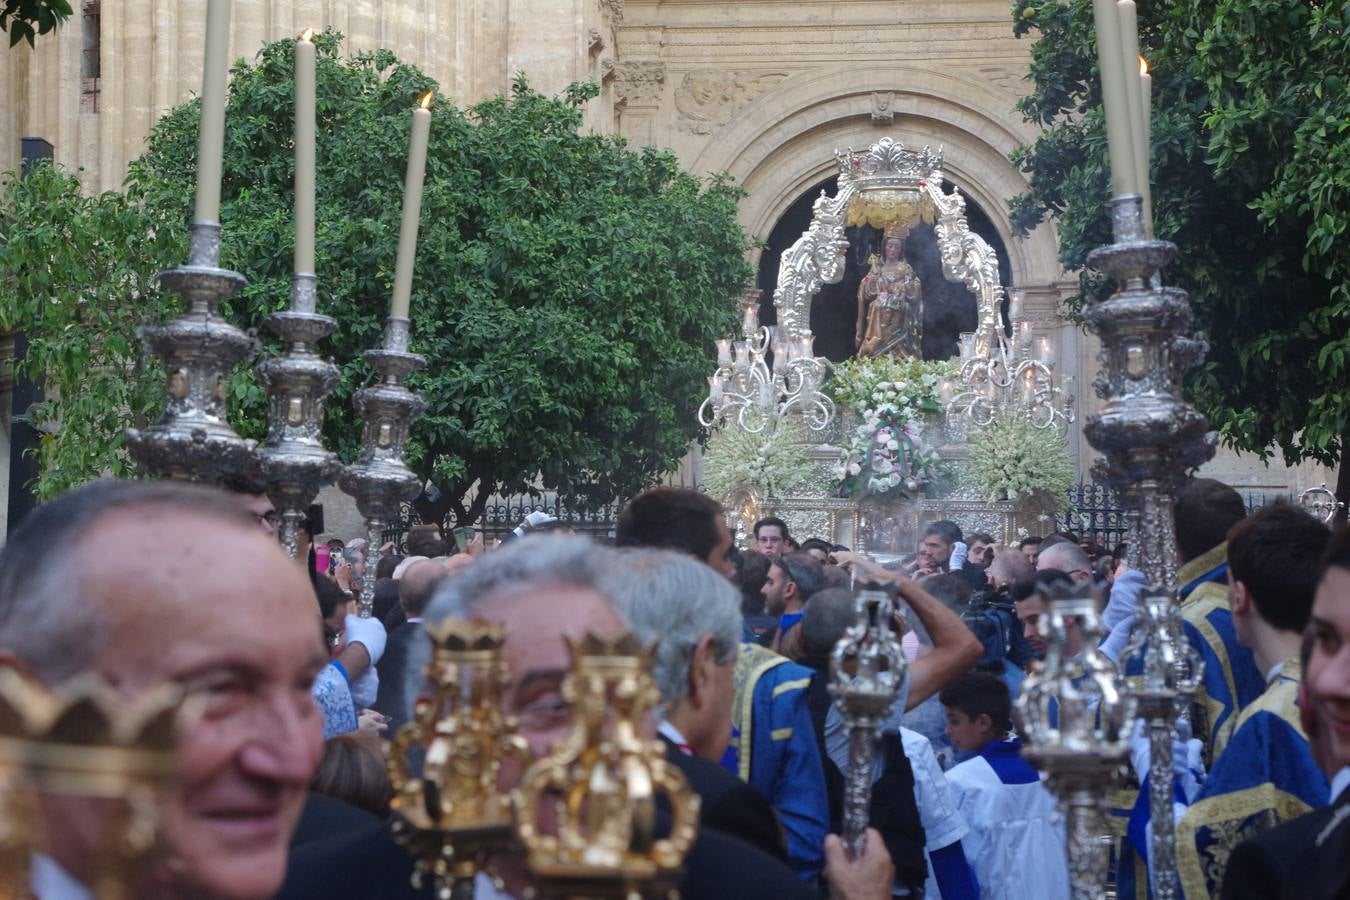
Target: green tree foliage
1251 179
19 16
567 291
77 275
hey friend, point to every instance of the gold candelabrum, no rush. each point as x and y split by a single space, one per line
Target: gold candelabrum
85 742
1072 715
1171 669
867 671
587 813
453 818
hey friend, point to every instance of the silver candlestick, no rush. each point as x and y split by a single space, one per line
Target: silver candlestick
192 439
379 480
868 672
1172 669
1072 716
1149 437
292 460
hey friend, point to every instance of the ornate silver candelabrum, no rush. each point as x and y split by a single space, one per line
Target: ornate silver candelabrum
867 672
1072 716
379 480
1171 673
192 439
1321 503
292 460
1149 437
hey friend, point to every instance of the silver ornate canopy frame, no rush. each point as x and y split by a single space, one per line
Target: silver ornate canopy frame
885 185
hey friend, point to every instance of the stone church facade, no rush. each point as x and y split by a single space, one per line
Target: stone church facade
763 89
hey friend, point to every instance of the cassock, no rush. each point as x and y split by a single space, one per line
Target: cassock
1016 840
1265 776
1231 679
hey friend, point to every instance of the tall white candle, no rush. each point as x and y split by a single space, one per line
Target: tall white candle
1115 99
1129 61
412 207
1146 83
304 152
211 133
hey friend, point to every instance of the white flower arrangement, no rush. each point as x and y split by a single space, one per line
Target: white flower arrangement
768 464
1014 460
884 453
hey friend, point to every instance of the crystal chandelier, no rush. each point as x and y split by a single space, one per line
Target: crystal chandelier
766 376
1012 380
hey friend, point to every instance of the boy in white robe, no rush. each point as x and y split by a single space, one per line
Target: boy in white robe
1016 840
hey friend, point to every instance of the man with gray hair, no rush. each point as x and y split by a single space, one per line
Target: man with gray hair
692 615
243 640
541 589
1118 615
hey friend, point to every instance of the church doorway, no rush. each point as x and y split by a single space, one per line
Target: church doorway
948 309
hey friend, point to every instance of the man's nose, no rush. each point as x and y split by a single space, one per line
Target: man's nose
285 746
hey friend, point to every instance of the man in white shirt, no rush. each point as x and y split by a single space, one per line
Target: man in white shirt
1012 817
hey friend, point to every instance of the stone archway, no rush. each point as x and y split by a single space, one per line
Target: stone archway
785 142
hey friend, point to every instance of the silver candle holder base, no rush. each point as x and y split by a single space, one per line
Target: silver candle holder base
292 460
192 439
1149 436
380 481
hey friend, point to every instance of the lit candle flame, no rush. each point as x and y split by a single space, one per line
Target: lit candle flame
1143 66
425 102
308 35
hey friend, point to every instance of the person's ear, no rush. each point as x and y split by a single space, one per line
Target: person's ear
1240 599
701 671
984 723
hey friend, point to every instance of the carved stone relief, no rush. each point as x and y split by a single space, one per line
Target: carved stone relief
614 8
638 82
708 98
883 107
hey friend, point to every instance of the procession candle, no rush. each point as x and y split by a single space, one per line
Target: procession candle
724 352
211 133
1016 302
1045 351
716 386
1146 89
1028 389
809 346
946 391
304 152
750 322
1129 49
742 354
412 207
1115 97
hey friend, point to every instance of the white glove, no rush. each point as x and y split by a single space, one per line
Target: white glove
1186 756
958 560
369 633
366 688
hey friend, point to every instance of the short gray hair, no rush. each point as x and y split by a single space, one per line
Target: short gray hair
45 619
1065 556
675 600
545 559
1011 566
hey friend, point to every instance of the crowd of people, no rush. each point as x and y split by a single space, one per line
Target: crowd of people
284 791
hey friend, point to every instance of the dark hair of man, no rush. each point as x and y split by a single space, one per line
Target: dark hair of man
978 537
1029 541
1203 513
329 596
977 694
1044 580
804 570
771 520
753 572
40 585
386 566
1276 553
422 541
827 617
672 518
952 589
947 530
1337 553
817 544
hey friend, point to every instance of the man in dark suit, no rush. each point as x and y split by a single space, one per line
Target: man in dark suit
1305 859
693 616
415 588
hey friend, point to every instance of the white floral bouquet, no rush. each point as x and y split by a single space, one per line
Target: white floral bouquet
884 452
767 464
1014 460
